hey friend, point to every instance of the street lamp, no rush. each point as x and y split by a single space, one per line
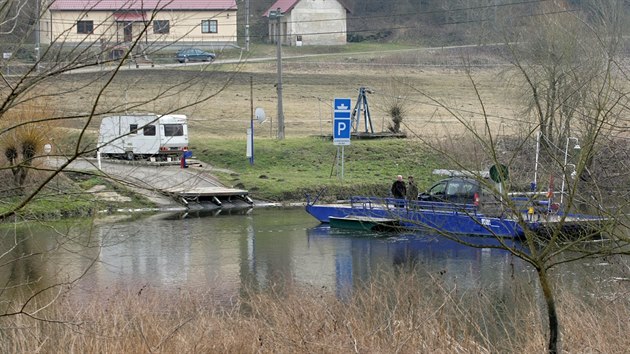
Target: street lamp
259 113
564 168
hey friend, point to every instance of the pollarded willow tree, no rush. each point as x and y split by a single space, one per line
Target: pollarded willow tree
575 92
54 92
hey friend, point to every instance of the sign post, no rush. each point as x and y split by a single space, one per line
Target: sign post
342 125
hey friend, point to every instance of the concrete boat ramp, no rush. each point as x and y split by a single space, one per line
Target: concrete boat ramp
167 184
217 195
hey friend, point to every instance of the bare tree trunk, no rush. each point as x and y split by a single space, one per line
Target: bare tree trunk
552 315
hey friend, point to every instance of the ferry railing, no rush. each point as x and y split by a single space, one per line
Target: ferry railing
397 204
521 205
443 206
364 202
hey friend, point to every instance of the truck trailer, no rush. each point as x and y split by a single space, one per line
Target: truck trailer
140 136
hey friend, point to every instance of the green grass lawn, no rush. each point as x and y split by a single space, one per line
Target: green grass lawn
51 206
69 199
287 169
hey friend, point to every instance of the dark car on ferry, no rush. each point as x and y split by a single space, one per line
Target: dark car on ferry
460 190
194 54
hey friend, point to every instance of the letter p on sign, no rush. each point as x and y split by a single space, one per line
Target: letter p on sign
341 127
341 132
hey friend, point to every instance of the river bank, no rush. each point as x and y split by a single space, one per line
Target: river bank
284 173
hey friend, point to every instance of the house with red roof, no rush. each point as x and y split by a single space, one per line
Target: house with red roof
308 22
210 23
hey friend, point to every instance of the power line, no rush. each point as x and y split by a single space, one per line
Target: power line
430 12
390 16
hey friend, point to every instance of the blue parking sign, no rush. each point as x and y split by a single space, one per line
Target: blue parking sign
342 121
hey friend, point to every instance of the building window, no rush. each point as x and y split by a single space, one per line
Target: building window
133 128
85 27
161 27
148 130
209 26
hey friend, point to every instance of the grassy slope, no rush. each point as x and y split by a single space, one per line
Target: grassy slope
285 170
68 198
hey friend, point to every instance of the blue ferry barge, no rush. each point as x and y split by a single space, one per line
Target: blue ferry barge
466 219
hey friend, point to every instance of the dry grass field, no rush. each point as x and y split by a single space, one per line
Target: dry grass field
216 97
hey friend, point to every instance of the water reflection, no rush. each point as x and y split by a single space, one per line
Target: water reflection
206 213
361 254
259 248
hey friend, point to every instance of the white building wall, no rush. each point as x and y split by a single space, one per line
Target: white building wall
318 22
59 27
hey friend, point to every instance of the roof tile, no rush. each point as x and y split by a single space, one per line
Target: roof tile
288 5
284 6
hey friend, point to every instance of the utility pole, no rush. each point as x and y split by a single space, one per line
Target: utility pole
277 15
247 25
37 35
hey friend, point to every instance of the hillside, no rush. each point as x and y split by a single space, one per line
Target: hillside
434 22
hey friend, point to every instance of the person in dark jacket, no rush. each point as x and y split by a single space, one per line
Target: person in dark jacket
399 190
412 189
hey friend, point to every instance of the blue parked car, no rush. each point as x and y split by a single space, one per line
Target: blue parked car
194 54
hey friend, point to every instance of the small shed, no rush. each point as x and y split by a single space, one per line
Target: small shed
308 22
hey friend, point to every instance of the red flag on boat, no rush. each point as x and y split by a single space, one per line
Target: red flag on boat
550 190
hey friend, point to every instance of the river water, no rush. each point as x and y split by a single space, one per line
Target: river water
228 250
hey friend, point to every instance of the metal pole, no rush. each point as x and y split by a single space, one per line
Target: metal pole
335 163
279 87
536 164
37 36
342 160
564 169
251 107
